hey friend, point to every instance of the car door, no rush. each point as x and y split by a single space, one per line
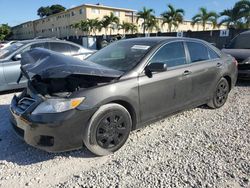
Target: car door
205 66
11 68
2 79
165 92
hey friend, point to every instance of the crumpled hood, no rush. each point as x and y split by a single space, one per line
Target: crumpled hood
238 53
49 64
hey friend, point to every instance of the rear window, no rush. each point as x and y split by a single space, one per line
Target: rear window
74 49
213 54
240 42
60 47
197 51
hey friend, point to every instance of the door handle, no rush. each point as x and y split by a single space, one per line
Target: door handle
219 64
186 72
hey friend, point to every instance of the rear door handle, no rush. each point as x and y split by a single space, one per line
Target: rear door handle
186 72
219 64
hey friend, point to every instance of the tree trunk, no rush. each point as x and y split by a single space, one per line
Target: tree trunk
204 26
144 27
170 27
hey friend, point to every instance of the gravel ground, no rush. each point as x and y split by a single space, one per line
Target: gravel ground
196 148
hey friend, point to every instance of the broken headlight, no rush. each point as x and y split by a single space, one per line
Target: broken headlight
57 105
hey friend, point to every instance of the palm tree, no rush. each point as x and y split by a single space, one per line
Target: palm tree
204 16
238 16
94 25
232 18
110 22
146 15
244 9
126 27
173 17
153 24
133 28
76 26
84 26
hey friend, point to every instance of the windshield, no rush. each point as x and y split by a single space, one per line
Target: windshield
10 49
122 55
240 42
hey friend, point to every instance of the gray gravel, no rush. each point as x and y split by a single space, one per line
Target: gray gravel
196 148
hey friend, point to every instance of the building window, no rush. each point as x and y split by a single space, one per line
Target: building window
117 13
72 13
95 11
80 11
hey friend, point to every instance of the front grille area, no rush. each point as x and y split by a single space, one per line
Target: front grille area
240 60
244 66
23 104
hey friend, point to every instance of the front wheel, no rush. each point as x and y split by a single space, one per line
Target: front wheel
108 129
220 95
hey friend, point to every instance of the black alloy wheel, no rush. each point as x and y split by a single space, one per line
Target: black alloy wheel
220 95
112 130
108 129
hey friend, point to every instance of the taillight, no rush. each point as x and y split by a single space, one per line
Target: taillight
235 61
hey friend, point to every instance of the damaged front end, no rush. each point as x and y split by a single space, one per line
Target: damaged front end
54 74
49 102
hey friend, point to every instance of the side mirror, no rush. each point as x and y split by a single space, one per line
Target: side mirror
157 67
17 57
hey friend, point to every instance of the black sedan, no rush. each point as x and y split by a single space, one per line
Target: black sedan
128 84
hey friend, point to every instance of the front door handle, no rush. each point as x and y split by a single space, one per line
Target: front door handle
186 72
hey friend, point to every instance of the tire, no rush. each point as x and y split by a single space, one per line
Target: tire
220 95
108 129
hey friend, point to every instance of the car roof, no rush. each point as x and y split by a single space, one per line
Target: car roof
44 40
245 33
163 39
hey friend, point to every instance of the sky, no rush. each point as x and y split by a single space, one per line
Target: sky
15 12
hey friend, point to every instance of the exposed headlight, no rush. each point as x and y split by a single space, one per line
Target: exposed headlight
57 105
247 61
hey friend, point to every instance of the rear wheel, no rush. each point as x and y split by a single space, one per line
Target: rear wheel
220 95
108 129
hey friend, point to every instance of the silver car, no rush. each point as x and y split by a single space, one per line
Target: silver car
10 58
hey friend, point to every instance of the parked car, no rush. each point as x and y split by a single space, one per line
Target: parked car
122 87
240 49
10 58
5 44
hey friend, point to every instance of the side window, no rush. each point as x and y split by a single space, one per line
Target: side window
74 49
37 45
60 47
172 54
25 49
197 51
212 54
40 45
